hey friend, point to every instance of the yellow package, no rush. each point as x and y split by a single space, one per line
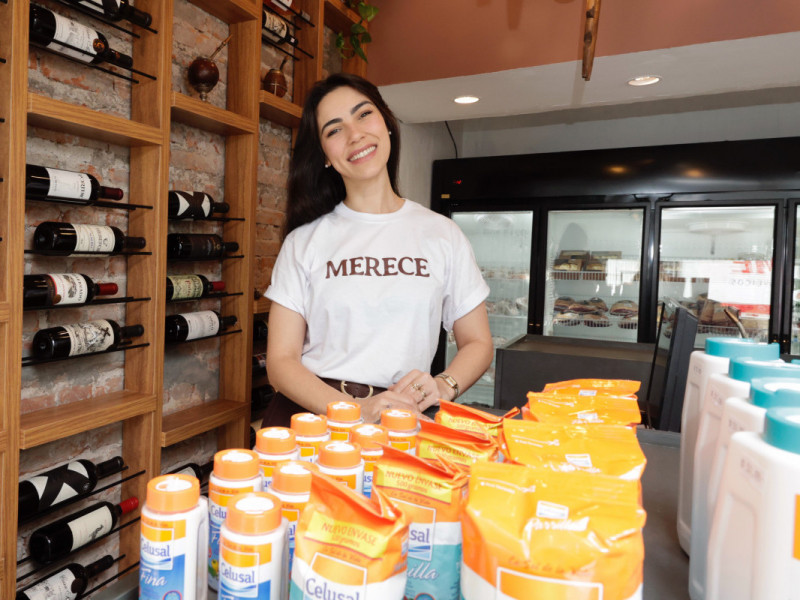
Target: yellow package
549 408
348 546
462 447
608 449
586 387
432 494
466 418
544 535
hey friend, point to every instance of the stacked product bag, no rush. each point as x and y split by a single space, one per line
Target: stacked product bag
461 447
577 406
467 418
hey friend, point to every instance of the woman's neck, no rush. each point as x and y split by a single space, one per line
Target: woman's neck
376 197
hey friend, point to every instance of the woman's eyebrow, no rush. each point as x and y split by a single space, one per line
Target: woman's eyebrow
352 112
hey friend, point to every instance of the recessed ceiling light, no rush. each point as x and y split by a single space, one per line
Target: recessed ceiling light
644 80
466 100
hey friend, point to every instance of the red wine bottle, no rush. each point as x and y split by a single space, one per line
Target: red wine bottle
186 287
83 338
259 364
190 326
52 31
59 538
259 330
67 583
276 29
63 239
198 246
44 183
58 289
194 469
193 205
116 10
67 481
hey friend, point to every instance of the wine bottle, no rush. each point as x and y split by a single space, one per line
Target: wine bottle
63 239
185 287
57 539
193 205
58 289
259 364
56 486
52 31
67 583
116 10
44 183
82 338
199 246
194 469
190 326
259 330
276 29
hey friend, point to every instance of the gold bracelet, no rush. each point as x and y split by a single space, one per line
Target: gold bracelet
451 383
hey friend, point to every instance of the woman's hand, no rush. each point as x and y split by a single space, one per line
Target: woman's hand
419 387
371 408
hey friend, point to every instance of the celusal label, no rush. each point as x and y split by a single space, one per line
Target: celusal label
291 512
218 499
186 286
201 324
66 184
76 35
246 571
91 526
404 443
93 238
309 449
162 559
369 472
92 336
70 288
57 586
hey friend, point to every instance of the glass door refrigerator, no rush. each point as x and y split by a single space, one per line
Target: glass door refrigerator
501 241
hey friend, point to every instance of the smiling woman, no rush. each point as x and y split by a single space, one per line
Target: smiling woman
366 279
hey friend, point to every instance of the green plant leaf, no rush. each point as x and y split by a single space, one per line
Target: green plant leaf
366 38
358 28
340 41
369 12
360 52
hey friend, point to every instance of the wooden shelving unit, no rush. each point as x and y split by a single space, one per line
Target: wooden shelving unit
154 107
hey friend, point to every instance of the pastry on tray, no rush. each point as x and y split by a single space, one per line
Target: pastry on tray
567 264
562 303
569 319
596 321
629 322
624 308
595 264
582 307
599 304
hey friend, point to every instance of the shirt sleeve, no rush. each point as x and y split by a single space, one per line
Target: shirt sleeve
465 287
289 285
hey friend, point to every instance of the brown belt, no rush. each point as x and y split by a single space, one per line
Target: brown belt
356 390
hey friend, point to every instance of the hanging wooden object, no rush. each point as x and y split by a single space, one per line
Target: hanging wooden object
590 36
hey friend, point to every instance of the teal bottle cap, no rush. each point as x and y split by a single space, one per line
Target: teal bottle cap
782 428
767 392
747 369
730 347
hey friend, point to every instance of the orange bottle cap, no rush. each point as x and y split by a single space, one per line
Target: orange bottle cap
236 463
339 455
397 419
369 436
253 513
293 476
344 412
309 424
172 493
275 440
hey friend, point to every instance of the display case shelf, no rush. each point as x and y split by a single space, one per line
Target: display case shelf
202 115
230 11
37 428
280 111
338 16
184 424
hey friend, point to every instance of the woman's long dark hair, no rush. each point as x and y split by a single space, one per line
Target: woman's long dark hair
313 189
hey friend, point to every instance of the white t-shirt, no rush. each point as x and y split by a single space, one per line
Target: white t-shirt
374 289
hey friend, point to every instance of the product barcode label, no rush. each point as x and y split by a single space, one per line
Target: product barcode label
201 324
70 288
91 526
93 238
92 336
77 36
186 286
66 184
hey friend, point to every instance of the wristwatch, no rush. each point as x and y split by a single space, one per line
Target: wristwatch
451 383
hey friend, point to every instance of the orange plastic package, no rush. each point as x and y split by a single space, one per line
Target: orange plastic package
611 410
466 418
608 449
535 533
461 447
348 546
587 387
432 494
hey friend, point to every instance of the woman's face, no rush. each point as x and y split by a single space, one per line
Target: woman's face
353 135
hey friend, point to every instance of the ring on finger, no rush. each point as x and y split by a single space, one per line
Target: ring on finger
417 386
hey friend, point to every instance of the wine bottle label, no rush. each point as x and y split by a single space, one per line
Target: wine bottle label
77 36
183 203
186 286
201 324
93 238
67 184
93 336
90 526
275 27
55 587
205 205
61 485
70 287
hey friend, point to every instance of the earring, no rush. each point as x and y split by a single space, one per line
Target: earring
327 164
390 133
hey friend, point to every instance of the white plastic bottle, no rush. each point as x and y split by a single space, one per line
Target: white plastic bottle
736 383
754 549
342 417
235 471
370 437
342 461
174 539
253 550
311 431
702 365
274 445
403 427
291 482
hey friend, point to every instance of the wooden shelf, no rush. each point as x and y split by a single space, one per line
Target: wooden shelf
51 424
338 16
278 110
261 305
188 423
5 312
231 11
205 116
3 445
78 120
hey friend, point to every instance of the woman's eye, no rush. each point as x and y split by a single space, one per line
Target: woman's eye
332 132
366 113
